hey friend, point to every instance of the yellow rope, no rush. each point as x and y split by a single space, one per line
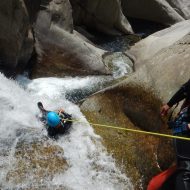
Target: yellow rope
133 130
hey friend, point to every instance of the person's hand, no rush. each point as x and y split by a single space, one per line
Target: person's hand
164 110
60 111
188 126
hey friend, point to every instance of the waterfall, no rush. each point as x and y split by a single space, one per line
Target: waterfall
89 164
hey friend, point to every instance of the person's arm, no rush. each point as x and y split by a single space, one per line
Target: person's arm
181 94
61 111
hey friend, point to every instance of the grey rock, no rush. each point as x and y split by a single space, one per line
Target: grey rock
16 39
153 10
101 15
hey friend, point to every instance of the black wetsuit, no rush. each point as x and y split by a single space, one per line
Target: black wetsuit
65 125
55 131
181 178
182 93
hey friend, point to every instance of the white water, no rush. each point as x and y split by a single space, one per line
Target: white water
90 167
122 68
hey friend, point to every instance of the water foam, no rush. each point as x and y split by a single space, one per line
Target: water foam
90 166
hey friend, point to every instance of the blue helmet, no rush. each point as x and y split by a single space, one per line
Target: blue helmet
53 119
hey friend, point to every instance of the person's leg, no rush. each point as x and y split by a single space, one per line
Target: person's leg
183 164
183 180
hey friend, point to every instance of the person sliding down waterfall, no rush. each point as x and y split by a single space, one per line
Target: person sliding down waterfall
56 122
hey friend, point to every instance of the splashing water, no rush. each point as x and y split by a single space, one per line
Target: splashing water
90 166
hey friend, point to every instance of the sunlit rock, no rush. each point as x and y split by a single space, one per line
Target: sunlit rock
150 46
163 66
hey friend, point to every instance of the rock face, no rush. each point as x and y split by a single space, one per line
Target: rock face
62 52
163 68
148 47
110 108
36 161
154 10
182 7
16 39
61 14
56 17
67 54
91 13
34 6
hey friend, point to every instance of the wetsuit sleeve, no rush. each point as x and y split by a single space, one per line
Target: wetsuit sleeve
181 94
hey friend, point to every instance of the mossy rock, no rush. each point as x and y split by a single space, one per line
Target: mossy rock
135 153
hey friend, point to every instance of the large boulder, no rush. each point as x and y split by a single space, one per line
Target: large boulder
91 13
166 71
110 108
162 60
148 47
16 39
152 10
63 53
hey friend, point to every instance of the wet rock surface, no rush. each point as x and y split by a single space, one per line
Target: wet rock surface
136 154
71 58
160 62
35 162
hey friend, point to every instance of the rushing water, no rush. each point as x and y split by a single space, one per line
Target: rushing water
90 166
